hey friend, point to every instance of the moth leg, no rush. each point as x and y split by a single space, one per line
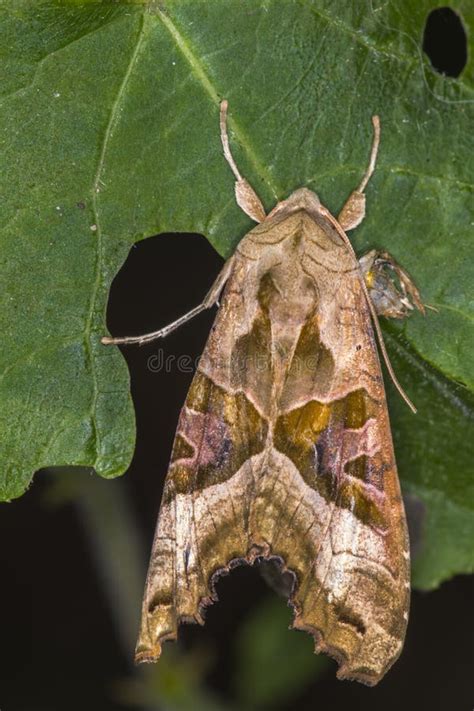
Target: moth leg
353 211
391 289
209 300
246 197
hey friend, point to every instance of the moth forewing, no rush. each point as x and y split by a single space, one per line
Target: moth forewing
283 447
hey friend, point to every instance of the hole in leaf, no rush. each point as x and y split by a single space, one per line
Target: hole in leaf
445 41
162 278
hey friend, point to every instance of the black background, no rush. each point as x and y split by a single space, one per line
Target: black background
59 645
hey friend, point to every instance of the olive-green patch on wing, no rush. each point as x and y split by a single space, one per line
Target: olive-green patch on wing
355 409
315 438
297 433
211 442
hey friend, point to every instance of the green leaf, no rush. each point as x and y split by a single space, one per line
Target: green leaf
109 134
434 456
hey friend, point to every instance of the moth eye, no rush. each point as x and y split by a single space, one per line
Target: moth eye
358 347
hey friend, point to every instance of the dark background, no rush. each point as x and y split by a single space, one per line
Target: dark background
62 646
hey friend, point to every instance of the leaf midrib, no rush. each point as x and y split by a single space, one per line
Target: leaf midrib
185 47
97 284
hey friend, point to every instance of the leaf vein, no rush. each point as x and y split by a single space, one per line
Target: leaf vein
199 72
96 188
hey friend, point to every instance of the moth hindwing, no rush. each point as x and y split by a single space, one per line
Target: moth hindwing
283 448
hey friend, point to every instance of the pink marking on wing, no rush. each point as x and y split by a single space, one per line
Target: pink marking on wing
364 440
207 435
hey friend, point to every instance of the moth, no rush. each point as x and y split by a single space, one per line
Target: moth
283 449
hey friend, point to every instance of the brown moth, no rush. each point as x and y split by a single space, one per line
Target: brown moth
283 449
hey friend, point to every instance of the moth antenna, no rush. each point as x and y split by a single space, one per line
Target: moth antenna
225 141
373 312
373 154
246 197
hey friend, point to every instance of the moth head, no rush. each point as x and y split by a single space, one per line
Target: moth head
301 199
